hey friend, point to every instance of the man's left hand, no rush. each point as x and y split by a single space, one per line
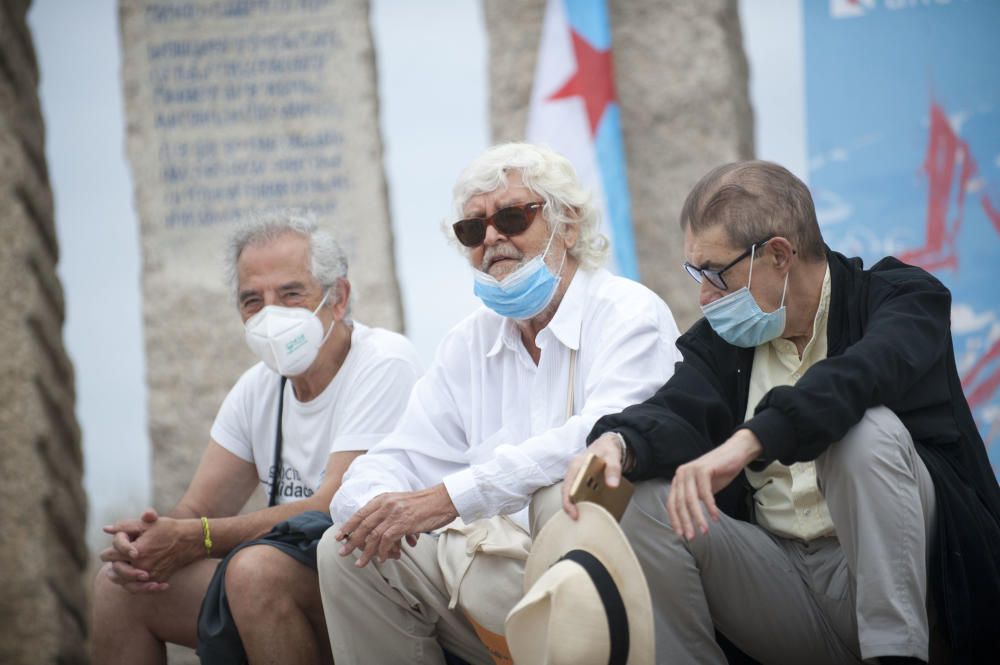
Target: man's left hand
697 482
378 528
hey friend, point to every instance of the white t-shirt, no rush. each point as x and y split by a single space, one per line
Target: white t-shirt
359 407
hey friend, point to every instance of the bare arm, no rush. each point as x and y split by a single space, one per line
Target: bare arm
228 532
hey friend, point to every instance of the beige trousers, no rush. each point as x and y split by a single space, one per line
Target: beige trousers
397 611
859 595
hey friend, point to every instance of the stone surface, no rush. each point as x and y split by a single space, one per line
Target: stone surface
681 78
232 107
42 505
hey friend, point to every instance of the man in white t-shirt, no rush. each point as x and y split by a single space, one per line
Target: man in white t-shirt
338 386
507 403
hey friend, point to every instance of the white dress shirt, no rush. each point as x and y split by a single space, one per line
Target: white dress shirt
491 425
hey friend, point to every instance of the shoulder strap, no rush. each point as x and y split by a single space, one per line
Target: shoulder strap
273 500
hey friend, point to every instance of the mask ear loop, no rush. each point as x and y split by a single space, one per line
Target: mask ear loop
319 307
549 246
753 248
784 290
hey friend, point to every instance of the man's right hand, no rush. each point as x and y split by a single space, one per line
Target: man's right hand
607 448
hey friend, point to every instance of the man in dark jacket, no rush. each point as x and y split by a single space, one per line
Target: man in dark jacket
818 490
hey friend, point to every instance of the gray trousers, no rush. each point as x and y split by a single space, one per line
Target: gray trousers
859 595
397 611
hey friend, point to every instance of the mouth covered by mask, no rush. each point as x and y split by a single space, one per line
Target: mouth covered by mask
738 319
525 292
287 339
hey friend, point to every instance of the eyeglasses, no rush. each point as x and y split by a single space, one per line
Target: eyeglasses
714 277
510 221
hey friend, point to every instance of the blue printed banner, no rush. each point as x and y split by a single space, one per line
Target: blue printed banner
903 113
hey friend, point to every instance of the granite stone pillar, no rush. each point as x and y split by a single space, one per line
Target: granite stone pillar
43 509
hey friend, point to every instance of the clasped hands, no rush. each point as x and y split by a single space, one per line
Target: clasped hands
145 552
378 529
694 483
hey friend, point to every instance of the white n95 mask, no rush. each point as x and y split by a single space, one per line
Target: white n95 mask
287 339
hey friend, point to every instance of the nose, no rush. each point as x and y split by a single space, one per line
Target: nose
492 235
708 293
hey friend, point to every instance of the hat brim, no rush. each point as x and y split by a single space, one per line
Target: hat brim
598 533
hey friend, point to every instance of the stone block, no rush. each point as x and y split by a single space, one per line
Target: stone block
231 108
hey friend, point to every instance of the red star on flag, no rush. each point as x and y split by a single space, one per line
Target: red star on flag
592 80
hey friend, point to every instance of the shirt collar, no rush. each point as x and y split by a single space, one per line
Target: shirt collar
565 324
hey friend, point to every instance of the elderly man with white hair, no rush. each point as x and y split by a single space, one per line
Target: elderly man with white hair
507 403
326 389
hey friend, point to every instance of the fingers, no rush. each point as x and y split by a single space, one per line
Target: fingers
123 572
121 542
696 482
146 587
571 473
133 528
359 536
707 497
612 466
370 549
411 539
691 487
149 516
111 554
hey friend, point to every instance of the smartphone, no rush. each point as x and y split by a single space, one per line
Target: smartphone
589 486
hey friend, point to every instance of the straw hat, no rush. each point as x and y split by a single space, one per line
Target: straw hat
585 596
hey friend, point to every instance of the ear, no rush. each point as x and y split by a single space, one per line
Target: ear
570 231
781 252
342 296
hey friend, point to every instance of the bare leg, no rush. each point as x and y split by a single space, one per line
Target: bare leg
133 627
276 603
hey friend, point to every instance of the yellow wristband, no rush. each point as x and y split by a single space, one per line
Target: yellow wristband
208 536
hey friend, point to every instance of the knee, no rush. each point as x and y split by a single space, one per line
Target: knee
257 579
114 606
879 437
106 594
545 503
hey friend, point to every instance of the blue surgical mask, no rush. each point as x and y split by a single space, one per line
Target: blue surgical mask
524 293
738 319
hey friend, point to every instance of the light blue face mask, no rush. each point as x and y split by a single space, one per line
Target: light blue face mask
738 319
525 292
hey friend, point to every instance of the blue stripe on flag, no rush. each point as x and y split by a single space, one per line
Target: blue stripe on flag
611 158
590 19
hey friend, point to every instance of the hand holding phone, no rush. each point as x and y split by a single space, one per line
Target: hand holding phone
589 486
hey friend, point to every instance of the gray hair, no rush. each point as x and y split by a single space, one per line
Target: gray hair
328 263
754 200
550 176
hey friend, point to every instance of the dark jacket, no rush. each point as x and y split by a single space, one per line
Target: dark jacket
889 343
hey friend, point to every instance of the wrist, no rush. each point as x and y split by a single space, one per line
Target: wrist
750 446
200 538
626 460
